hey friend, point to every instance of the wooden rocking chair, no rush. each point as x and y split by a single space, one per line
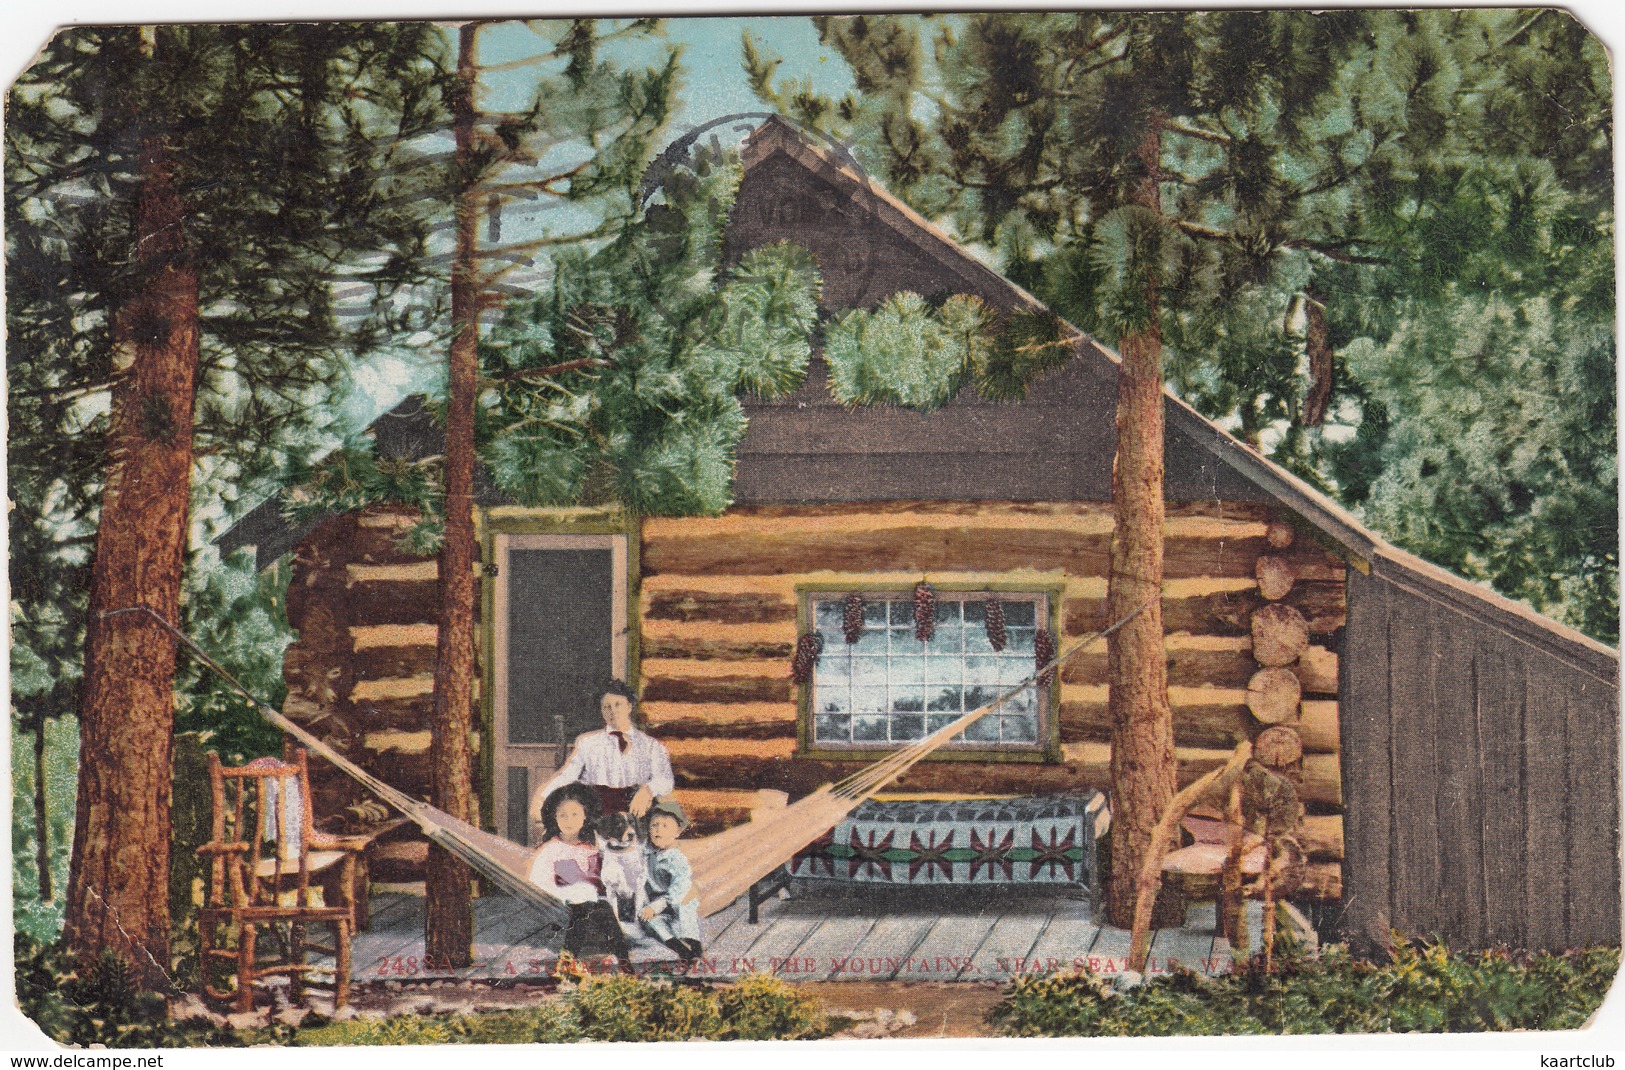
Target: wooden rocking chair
270 868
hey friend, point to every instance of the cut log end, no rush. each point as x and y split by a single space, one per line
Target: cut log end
1279 534
1274 695
1278 747
1280 634
1275 577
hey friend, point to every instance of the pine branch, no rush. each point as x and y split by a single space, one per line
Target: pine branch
1200 135
552 369
1330 250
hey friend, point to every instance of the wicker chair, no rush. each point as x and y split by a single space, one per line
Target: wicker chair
270 869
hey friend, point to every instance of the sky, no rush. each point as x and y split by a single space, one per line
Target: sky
713 85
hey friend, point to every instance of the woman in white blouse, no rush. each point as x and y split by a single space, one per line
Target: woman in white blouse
626 766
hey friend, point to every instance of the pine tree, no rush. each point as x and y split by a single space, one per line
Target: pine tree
180 202
619 380
605 121
1387 174
1158 179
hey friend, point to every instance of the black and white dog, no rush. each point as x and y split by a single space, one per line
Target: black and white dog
623 864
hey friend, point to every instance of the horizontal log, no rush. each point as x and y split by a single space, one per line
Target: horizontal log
720 722
721 749
1322 780
1317 669
719 608
1193 661
1240 512
1317 724
393 603
391 662
800 776
1203 717
408 687
397 740
1322 883
754 685
714 810
1322 838
927 548
392 636
377 539
717 648
770 764
1080 518
788 584
379 714
1221 612
415 571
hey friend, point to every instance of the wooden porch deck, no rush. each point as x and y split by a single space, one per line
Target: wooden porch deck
818 937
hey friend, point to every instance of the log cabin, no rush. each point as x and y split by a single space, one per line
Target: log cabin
1456 753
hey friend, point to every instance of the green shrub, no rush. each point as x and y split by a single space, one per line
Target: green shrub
1425 989
612 1008
759 1007
100 1004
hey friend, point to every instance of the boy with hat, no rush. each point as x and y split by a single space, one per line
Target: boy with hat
672 912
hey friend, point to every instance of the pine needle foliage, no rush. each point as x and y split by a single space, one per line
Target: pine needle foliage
623 377
1426 988
1400 175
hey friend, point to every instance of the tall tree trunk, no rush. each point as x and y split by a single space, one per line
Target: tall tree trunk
1143 772
42 833
1318 342
118 884
448 918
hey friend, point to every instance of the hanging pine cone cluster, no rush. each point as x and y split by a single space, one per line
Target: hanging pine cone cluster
808 647
925 611
1043 654
852 618
997 637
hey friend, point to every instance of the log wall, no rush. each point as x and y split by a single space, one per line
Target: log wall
361 674
719 599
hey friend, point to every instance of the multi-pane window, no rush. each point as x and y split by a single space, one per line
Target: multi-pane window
890 688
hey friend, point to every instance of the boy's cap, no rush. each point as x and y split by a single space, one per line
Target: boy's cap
671 808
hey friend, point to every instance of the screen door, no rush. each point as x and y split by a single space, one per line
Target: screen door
560 634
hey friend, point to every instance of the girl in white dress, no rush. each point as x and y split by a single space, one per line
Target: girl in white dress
570 866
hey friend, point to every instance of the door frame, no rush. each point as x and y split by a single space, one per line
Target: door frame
506 530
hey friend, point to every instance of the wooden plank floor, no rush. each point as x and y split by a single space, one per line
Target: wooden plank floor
873 937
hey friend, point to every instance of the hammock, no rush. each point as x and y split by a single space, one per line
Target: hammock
725 865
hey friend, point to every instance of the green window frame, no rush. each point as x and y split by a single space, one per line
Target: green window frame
890 688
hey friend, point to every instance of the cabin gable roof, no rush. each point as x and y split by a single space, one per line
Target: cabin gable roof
1055 444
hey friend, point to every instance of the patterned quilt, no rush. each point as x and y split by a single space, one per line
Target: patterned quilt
1044 839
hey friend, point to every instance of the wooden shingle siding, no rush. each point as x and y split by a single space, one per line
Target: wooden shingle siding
1481 771
807 447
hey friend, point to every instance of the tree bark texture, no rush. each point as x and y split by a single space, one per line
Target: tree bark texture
118 885
1143 769
42 832
448 916
1318 393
